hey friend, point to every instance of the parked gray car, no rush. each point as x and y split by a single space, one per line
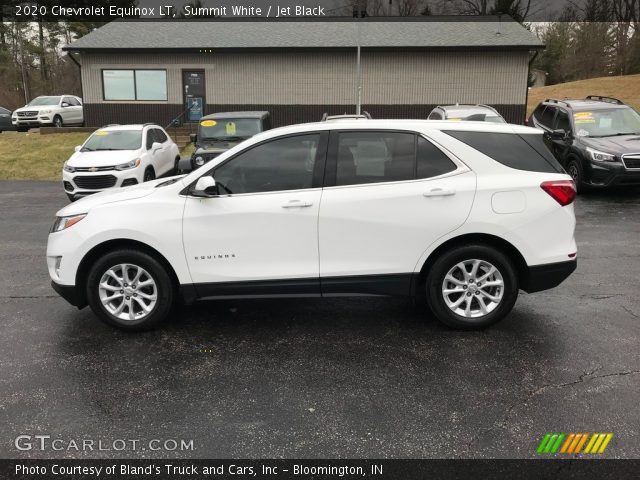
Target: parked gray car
468 113
5 120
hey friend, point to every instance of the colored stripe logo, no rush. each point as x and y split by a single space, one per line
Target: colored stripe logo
572 443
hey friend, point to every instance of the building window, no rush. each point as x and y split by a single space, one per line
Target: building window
135 84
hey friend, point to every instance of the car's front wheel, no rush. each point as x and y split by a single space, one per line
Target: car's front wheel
471 287
130 290
574 169
149 174
57 121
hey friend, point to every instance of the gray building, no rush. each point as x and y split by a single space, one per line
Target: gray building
298 70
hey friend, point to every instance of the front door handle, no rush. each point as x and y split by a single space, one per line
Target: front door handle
296 204
439 192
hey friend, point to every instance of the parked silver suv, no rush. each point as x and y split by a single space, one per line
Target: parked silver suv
49 110
468 113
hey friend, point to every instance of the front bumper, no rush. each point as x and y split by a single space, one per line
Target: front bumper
71 294
32 122
609 174
544 277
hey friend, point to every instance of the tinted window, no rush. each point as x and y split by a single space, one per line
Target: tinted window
537 113
159 135
150 138
547 116
562 121
432 161
283 164
371 157
435 116
522 152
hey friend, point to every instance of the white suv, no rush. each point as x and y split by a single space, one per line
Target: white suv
52 111
119 156
463 214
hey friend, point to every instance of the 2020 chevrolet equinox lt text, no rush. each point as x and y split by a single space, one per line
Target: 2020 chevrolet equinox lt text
463 214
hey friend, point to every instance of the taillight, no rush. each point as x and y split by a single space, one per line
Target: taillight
562 191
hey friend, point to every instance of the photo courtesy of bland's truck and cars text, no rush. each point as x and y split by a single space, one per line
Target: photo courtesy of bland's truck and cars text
387 239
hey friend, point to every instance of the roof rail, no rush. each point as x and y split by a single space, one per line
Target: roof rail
601 98
555 100
149 123
347 116
488 106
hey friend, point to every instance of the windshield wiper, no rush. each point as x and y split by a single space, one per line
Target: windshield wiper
87 149
624 133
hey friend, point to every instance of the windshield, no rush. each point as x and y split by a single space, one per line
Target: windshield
113 140
38 101
494 119
229 128
607 122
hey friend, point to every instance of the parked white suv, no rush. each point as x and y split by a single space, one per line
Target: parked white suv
465 214
119 156
56 111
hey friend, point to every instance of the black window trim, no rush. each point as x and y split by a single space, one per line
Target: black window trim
332 159
319 167
135 84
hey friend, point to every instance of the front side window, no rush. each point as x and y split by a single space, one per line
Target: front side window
435 116
282 164
113 140
372 157
159 135
547 116
562 121
135 84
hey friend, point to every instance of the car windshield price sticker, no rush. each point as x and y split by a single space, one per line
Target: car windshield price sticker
231 128
208 123
584 117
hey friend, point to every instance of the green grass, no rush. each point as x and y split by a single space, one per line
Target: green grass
31 156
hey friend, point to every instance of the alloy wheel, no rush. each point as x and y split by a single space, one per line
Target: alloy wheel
473 288
128 292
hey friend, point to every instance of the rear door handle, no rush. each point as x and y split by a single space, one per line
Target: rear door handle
296 204
439 192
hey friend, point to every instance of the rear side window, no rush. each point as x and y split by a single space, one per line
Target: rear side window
522 152
431 160
372 157
547 116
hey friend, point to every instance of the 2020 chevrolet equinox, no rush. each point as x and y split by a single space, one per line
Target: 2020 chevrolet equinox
465 215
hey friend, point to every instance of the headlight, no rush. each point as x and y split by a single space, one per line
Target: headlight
67 168
126 166
63 223
199 161
601 156
45 111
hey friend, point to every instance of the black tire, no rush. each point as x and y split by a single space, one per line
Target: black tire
165 290
149 174
574 169
57 121
447 261
176 168
71 197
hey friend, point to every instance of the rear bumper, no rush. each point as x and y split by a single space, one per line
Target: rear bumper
71 294
544 277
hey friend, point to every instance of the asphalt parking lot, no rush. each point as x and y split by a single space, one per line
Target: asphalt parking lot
362 377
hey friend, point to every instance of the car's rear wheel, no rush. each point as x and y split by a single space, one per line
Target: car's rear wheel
130 290
471 287
176 166
149 174
574 169
57 121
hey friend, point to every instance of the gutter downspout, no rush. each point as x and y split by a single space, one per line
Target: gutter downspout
73 59
526 100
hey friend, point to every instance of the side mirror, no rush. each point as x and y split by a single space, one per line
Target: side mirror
64 104
559 134
205 187
156 146
78 148
193 137
184 165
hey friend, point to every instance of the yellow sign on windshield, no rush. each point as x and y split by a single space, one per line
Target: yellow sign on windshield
231 128
102 133
208 123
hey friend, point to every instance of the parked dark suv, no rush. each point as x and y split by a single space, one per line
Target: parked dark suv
221 131
597 139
